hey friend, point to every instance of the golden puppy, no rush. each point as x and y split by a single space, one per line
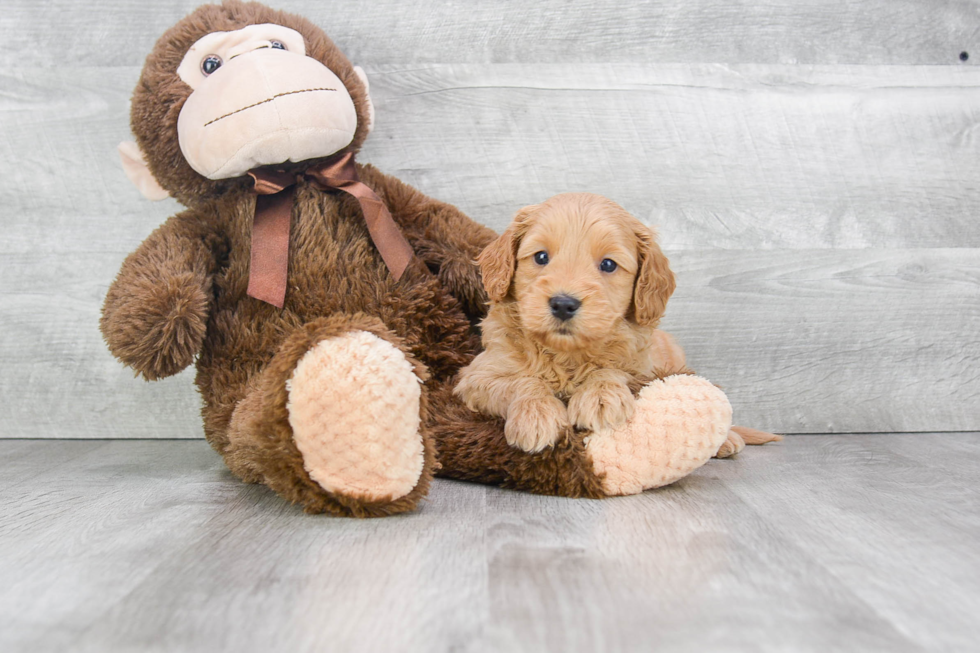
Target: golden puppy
577 286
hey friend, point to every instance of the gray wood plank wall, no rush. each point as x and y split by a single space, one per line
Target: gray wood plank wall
812 168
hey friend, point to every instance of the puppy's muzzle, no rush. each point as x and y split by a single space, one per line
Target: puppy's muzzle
564 306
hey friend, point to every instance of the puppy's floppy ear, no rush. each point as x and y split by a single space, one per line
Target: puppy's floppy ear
499 260
654 280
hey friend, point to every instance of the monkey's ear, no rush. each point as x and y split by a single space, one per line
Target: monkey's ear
654 281
134 165
367 93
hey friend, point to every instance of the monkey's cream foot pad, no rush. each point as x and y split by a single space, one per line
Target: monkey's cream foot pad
678 425
354 410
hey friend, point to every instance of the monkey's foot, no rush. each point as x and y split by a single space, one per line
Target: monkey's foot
679 423
353 406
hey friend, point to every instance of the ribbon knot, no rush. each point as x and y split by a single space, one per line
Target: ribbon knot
268 268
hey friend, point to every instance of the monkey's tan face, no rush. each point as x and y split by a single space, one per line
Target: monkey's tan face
259 100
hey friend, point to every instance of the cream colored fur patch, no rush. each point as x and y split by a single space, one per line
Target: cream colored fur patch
679 423
354 409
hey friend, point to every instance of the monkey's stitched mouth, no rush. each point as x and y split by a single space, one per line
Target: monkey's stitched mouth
277 95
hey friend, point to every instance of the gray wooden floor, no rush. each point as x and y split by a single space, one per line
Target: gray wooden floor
819 543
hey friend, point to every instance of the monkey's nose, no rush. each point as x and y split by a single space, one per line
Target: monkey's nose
564 306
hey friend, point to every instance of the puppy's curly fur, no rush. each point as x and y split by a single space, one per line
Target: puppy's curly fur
605 265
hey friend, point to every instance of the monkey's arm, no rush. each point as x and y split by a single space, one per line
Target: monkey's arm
441 235
155 314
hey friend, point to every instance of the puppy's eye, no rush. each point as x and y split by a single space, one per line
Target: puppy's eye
608 265
210 64
278 45
541 258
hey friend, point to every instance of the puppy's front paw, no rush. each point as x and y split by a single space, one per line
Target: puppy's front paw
603 405
534 423
731 446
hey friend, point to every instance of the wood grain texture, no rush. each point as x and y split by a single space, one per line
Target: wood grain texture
804 341
858 543
880 505
717 156
121 32
792 200
824 341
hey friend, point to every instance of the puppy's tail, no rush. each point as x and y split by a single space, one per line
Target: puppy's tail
752 436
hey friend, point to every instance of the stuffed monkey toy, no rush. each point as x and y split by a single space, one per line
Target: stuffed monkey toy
327 306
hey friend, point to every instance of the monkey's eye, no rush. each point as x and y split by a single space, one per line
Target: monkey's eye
608 265
278 45
541 258
210 64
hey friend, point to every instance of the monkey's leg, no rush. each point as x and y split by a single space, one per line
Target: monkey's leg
668 355
471 447
333 422
679 423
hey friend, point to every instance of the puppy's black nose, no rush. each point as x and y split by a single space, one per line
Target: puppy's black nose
564 306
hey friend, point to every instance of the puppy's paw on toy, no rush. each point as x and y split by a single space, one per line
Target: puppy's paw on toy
679 424
601 405
534 423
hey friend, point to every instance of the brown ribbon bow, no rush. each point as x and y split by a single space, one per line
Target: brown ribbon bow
273 211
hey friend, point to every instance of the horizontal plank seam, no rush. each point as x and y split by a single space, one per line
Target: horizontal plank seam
200 439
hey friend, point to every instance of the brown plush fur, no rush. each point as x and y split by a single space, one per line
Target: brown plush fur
182 293
534 364
260 445
472 447
181 297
